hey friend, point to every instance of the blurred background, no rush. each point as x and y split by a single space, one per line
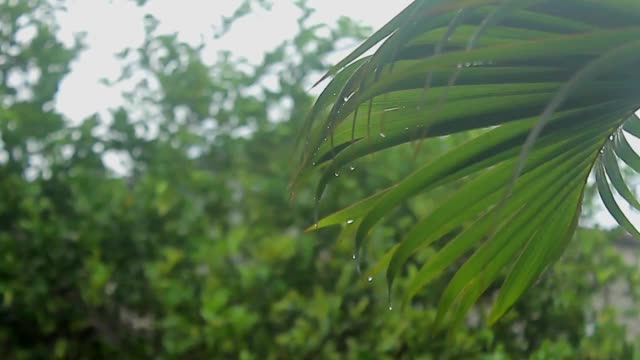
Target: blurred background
146 149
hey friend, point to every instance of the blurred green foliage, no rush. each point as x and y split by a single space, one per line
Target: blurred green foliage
195 252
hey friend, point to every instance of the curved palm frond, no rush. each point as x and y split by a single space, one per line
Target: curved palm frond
554 85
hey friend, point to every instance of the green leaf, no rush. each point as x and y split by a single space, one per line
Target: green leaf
626 153
610 202
540 252
484 265
539 85
527 191
632 125
476 196
610 163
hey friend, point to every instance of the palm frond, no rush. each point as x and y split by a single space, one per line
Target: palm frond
554 86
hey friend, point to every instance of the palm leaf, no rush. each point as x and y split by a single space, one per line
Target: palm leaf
552 85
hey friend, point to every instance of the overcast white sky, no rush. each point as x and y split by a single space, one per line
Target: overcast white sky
114 25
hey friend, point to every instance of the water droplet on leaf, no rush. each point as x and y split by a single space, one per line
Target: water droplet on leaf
383 135
336 174
369 279
351 168
350 221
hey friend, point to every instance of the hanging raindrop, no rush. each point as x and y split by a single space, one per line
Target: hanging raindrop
346 98
611 137
357 261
